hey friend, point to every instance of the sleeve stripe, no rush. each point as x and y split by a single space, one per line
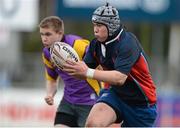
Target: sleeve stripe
48 77
52 72
80 47
46 62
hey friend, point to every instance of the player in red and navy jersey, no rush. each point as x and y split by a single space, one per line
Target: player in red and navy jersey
79 95
131 98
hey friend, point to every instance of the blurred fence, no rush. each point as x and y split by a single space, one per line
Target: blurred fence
22 107
28 72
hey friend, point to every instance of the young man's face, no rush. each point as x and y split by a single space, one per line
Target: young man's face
100 32
49 36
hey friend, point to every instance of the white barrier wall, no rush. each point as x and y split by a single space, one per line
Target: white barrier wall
26 107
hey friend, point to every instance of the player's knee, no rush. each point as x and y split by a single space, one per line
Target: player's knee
94 123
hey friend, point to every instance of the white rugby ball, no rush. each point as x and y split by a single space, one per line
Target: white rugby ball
61 52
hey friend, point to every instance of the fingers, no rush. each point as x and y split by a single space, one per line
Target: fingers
76 69
69 68
49 100
70 62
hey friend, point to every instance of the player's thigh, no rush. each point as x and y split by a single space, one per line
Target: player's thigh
101 114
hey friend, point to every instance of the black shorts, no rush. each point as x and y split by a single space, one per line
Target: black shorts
65 119
72 115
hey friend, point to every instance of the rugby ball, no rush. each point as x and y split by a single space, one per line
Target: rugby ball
61 52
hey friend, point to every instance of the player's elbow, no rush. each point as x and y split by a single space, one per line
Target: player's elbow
118 82
119 79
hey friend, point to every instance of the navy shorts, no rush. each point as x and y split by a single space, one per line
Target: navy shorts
130 116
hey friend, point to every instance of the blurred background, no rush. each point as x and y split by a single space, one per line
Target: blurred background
156 23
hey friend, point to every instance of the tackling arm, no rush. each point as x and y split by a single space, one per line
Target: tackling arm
113 77
81 70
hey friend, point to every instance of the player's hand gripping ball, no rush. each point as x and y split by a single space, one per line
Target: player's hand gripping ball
61 52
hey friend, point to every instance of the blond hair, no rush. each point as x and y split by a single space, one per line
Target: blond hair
53 22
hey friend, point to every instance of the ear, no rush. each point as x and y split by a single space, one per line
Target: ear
60 32
60 35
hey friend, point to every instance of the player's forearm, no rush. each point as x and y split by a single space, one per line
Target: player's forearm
51 88
113 77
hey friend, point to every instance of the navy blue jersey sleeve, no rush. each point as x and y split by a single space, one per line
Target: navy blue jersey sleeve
89 58
128 53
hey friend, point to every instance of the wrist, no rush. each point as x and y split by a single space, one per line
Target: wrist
90 73
49 95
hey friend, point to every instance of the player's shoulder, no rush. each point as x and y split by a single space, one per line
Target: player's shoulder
46 53
94 42
73 40
70 38
130 37
128 40
129 44
74 37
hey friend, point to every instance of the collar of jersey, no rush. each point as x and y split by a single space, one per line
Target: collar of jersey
108 42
